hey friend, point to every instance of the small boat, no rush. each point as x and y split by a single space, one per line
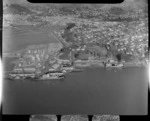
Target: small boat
17 77
29 77
115 65
51 77
77 70
68 68
82 65
64 71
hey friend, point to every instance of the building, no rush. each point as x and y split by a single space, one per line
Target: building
23 66
30 69
54 47
18 70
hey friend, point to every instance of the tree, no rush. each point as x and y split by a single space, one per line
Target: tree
146 54
19 9
70 25
113 50
76 55
118 56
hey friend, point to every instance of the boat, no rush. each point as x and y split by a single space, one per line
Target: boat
68 68
55 73
82 65
77 70
29 77
120 65
64 71
51 77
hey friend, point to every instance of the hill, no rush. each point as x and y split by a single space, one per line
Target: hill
17 9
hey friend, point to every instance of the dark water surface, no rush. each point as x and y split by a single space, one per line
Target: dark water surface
93 91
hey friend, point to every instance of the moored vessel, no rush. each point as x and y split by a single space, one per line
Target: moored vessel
114 65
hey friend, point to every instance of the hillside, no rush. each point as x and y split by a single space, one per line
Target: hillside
17 9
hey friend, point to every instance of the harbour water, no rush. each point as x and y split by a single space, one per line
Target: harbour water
19 38
92 91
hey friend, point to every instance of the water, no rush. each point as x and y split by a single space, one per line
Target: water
93 91
19 38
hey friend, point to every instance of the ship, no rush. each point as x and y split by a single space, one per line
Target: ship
77 70
52 75
81 64
56 74
114 65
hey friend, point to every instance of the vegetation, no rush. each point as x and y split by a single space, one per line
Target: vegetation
116 11
66 11
19 9
70 25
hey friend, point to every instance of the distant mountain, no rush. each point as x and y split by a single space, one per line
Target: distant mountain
116 11
17 9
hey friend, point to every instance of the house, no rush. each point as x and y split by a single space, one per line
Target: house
30 69
18 70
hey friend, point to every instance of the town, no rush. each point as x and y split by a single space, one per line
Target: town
87 37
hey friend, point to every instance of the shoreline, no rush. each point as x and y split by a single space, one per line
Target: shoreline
84 70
